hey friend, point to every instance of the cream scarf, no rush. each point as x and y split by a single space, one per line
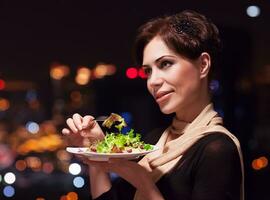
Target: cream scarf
169 153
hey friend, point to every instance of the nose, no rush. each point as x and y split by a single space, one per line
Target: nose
155 80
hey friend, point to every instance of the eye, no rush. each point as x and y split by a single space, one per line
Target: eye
165 64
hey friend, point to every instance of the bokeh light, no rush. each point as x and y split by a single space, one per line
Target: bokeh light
32 127
40 198
253 11
2 84
74 168
47 167
9 191
83 76
142 74
20 165
259 163
59 71
9 178
132 73
78 182
72 196
4 104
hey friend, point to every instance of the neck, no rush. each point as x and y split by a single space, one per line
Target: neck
190 112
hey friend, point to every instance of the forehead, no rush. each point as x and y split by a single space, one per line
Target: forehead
155 49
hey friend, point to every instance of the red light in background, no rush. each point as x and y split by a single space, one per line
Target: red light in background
132 73
142 74
2 84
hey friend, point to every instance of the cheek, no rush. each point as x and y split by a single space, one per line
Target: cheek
187 79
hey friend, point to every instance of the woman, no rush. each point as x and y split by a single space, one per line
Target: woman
197 157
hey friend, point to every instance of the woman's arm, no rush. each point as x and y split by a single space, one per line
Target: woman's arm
132 172
99 182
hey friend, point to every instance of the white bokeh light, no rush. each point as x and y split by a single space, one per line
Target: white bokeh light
9 178
32 127
253 11
74 168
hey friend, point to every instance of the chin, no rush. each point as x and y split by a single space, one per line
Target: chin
166 110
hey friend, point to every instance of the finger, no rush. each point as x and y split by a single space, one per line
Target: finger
77 119
87 121
71 125
65 131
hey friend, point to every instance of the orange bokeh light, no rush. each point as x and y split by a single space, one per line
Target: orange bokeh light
4 104
259 163
20 165
72 196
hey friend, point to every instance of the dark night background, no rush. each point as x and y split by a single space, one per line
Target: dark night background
36 34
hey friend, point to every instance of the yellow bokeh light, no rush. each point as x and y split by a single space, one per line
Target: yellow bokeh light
59 71
100 71
111 69
83 76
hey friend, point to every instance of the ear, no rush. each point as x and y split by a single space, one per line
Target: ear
205 64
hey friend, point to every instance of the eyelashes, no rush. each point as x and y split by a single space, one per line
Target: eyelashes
162 65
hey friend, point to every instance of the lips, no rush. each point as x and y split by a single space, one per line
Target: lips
160 96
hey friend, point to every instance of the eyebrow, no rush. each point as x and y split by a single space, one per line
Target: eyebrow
158 59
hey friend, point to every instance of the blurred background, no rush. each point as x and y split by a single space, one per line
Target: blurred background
60 57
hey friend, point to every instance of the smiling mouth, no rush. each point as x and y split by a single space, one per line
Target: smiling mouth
161 96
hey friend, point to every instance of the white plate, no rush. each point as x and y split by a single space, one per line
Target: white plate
105 156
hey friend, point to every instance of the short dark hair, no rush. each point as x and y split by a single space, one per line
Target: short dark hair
187 33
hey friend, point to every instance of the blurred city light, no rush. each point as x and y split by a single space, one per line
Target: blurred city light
74 168
132 73
4 104
142 74
72 196
20 165
258 164
83 76
34 163
78 182
100 70
59 71
47 167
2 84
9 191
63 155
32 127
253 11
9 178
40 198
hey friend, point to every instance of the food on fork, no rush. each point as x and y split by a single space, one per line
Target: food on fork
118 142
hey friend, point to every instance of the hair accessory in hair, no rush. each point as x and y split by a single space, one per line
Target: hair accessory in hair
184 26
